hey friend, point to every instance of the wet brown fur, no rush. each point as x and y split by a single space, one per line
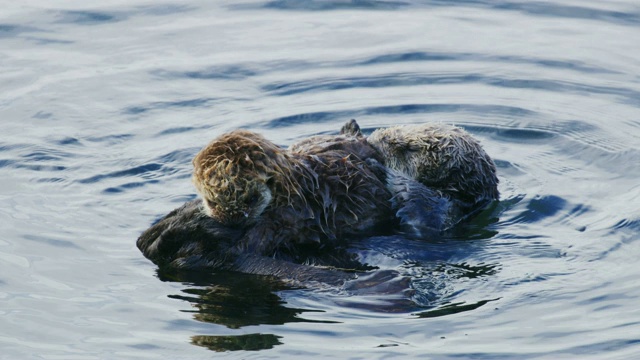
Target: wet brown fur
314 194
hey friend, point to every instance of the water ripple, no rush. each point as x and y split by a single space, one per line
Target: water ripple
137 170
330 5
424 56
198 102
629 96
81 17
12 30
325 116
530 8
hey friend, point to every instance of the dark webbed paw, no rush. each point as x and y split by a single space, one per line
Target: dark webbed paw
421 211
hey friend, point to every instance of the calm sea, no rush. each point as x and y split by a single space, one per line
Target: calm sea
103 105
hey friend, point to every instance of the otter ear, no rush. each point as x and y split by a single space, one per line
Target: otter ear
351 128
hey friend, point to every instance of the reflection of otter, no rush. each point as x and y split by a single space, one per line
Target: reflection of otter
265 204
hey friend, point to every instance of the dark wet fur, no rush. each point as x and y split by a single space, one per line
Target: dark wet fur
346 191
187 239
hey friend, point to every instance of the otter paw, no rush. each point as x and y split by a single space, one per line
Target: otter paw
421 211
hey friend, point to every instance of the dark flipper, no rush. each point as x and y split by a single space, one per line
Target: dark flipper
422 212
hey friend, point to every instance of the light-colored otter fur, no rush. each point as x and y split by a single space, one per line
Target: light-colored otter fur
442 157
240 173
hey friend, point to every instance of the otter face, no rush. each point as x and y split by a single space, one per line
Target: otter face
233 174
235 203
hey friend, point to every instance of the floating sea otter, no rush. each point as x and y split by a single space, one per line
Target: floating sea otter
270 210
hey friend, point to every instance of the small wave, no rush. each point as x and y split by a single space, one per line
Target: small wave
81 17
315 5
624 95
11 30
52 241
110 139
539 208
127 186
181 156
165 9
134 171
536 9
424 56
325 116
198 102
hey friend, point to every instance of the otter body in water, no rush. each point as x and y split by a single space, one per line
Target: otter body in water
266 209
290 201
188 239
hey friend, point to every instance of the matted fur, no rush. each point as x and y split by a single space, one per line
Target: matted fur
286 197
442 157
240 173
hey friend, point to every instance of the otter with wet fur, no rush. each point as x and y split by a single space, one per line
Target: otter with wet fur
437 174
266 209
290 202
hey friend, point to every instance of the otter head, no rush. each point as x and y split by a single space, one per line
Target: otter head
235 175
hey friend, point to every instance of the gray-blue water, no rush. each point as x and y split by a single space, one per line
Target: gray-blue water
103 106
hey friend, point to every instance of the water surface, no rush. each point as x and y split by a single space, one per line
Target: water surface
103 108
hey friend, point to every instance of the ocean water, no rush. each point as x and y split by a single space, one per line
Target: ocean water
102 107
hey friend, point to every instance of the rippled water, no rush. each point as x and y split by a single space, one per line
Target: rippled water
103 107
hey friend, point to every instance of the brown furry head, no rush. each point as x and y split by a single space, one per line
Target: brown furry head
239 175
443 157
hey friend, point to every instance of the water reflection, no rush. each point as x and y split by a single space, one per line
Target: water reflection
235 300
249 342
453 309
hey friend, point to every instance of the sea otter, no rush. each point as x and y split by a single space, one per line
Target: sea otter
291 204
266 209
437 174
442 157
